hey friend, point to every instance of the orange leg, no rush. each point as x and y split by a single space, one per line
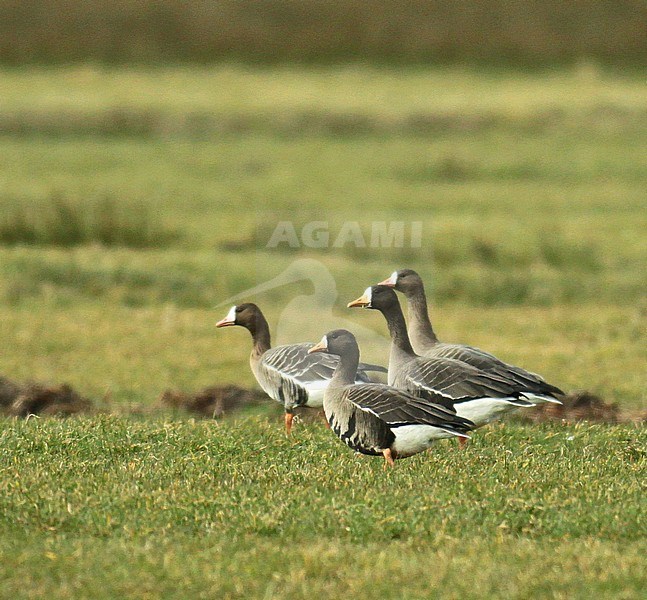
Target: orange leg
323 414
388 458
288 422
462 442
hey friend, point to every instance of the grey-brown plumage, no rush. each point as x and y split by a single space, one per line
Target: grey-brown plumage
472 393
379 419
425 342
288 374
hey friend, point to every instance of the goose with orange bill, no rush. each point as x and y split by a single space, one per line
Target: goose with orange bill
425 342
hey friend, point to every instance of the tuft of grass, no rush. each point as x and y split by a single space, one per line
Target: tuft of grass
62 222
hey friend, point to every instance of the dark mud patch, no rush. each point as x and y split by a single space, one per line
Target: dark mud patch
578 406
212 402
218 402
22 400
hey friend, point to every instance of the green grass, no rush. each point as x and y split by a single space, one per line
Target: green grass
68 223
238 510
294 100
530 190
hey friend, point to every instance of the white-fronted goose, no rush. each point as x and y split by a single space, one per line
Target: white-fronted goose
378 419
288 374
426 343
476 395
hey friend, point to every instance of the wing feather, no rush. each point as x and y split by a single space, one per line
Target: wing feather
290 375
294 361
531 382
397 407
454 380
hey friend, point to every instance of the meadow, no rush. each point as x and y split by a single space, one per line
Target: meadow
109 507
133 202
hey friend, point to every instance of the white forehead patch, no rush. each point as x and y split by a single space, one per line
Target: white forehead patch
231 315
393 280
368 294
324 342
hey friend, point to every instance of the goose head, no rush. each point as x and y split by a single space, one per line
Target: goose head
378 297
406 281
246 315
338 341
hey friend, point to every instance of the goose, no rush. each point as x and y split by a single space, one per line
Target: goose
288 374
473 394
378 419
425 342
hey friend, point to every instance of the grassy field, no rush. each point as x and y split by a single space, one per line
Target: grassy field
110 508
133 203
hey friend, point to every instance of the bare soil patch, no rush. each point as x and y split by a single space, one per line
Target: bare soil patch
212 402
216 402
579 406
22 400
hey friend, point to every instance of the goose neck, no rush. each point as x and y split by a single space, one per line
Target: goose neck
420 328
398 330
346 370
260 331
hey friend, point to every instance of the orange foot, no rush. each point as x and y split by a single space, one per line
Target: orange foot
388 458
462 442
288 422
